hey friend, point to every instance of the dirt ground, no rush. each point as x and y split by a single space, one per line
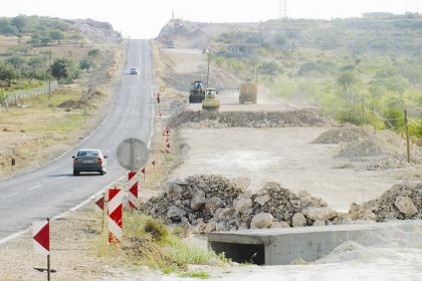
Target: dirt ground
286 156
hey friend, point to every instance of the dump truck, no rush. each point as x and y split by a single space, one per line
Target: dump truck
248 93
197 92
211 102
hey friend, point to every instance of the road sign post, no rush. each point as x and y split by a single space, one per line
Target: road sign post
100 202
115 216
133 189
41 242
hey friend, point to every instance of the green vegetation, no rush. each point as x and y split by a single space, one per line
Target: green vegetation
65 70
347 67
195 274
149 242
41 30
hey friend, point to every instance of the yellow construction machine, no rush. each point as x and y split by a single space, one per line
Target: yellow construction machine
211 102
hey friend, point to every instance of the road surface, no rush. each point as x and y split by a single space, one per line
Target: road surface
52 189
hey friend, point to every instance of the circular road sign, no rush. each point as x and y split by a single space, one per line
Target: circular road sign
132 154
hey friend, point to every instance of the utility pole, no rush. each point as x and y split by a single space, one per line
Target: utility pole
208 67
407 136
49 74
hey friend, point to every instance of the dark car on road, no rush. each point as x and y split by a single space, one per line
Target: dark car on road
89 160
133 71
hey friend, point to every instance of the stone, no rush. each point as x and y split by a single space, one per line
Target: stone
198 200
298 220
319 223
221 213
406 206
175 214
213 204
368 215
174 192
262 199
242 204
315 213
262 220
242 182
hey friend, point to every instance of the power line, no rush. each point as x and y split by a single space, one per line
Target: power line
282 9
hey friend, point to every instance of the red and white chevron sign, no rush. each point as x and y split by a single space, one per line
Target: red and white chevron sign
115 215
41 235
133 189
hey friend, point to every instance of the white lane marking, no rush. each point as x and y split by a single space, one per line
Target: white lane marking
13 236
21 232
35 187
60 178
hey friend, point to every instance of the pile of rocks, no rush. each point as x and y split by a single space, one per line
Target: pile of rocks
295 118
401 201
345 134
214 203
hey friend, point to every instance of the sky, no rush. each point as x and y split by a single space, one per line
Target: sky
144 19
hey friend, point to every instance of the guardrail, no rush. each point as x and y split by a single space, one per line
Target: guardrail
14 97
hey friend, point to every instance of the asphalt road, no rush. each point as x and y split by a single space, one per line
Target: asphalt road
52 189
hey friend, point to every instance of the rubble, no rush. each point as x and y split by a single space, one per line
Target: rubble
250 119
215 203
401 201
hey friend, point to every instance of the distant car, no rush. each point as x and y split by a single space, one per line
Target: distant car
133 71
89 160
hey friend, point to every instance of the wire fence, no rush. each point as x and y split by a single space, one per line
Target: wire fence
13 98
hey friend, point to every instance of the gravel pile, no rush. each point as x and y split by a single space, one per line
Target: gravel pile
296 118
401 201
344 134
372 146
214 203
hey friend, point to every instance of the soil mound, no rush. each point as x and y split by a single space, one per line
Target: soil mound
344 134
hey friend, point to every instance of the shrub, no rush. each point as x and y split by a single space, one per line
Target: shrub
157 230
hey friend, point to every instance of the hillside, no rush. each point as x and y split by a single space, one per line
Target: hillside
85 58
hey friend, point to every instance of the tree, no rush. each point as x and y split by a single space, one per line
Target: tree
19 22
76 38
269 68
57 35
346 80
8 73
64 69
94 53
85 64
16 61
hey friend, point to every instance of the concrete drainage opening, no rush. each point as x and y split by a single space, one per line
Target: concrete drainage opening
241 253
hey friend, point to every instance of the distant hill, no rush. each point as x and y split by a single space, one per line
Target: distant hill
374 32
43 31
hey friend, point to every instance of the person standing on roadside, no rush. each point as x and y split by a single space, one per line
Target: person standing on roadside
158 97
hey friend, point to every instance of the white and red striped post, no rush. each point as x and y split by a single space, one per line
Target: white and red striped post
115 215
41 241
132 184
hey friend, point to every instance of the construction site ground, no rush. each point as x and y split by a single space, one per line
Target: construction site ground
284 155
289 156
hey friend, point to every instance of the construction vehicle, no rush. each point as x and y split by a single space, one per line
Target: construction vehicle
197 92
248 93
210 103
